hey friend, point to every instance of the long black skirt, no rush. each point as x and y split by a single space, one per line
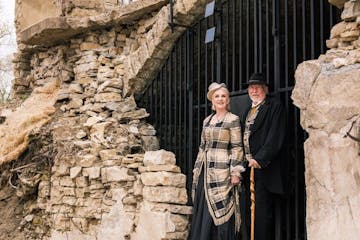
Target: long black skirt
202 224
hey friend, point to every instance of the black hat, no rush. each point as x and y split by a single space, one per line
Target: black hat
257 78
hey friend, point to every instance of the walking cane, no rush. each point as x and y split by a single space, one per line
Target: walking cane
252 207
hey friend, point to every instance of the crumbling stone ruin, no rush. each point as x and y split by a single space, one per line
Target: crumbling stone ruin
79 69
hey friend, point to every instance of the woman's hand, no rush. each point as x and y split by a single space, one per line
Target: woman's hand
235 180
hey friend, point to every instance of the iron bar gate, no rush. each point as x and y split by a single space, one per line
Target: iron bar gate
271 36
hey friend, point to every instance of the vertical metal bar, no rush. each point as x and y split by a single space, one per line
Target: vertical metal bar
157 102
267 40
219 44
286 44
331 10
227 34
181 100
171 103
206 71
190 102
294 35
276 24
176 104
247 38
260 38
151 106
166 104
255 33
303 9
241 44
233 39
312 29
199 84
161 119
322 40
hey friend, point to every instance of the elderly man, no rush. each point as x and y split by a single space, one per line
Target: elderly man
263 128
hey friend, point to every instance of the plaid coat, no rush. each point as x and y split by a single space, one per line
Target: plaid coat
220 155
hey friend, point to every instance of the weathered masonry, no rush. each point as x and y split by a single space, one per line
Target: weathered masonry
106 86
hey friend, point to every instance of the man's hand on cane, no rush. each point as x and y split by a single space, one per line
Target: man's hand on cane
253 163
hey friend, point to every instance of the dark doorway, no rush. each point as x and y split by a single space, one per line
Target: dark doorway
271 36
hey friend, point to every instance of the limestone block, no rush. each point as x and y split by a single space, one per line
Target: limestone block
160 157
115 174
156 230
126 116
74 104
68 191
93 120
61 170
81 182
138 187
176 235
132 158
80 192
110 154
97 132
163 207
80 223
74 233
81 134
158 168
147 130
180 222
86 67
305 76
117 223
87 160
67 182
63 94
333 167
108 97
44 189
86 46
126 105
76 88
165 194
89 211
69 200
351 11
333 99
92 172
75 172
150 143
332 43
163 179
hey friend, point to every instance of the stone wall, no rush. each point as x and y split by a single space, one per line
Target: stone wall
30 12
327 93
109 179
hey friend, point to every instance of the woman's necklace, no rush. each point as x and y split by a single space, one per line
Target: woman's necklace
219 118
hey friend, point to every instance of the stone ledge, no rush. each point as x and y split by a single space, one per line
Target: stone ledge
58 29
338 3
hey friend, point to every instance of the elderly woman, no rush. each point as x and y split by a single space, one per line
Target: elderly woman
217 172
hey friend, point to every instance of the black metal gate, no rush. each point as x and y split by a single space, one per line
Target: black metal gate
271 36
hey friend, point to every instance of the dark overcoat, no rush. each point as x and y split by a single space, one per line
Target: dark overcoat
266 142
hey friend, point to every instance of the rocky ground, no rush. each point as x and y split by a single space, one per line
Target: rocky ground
20 218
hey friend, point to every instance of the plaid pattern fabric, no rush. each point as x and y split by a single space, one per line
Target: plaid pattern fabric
220 155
